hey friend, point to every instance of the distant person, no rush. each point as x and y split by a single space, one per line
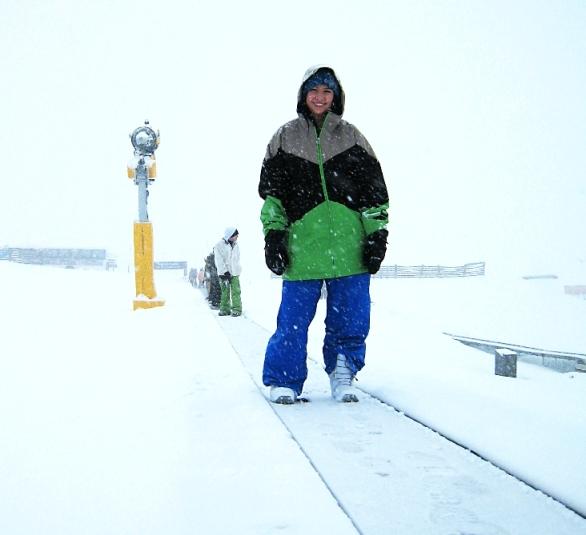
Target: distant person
324 218
227 255
192 276
212 282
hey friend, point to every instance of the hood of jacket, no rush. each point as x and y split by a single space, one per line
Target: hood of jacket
228 232
339 100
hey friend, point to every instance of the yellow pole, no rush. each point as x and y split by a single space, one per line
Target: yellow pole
146 295
143 170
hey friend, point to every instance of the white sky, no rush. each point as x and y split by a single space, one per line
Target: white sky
475 108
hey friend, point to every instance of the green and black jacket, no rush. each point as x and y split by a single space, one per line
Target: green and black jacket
326 188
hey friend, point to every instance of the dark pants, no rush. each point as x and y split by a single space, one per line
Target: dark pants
215 291
347 325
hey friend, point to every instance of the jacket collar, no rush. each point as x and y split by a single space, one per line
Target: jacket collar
331 122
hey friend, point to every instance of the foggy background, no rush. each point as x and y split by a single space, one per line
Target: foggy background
475 109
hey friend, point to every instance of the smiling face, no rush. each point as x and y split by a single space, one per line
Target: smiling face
319 100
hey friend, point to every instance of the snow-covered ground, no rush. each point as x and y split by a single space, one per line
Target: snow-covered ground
534 425
145 422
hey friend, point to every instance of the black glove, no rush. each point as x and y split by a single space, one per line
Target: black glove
276 255
375 247
226 277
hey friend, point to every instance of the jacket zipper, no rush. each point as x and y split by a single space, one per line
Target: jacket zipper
320 161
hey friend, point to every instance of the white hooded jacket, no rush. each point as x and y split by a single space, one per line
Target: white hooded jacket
227 257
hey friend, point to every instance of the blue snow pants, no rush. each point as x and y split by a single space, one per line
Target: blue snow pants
347 325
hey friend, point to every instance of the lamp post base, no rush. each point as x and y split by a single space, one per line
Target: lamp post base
147 303
146 295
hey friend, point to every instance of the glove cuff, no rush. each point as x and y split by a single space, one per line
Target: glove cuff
276 237
379 236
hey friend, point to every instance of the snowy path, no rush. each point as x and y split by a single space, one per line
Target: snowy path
392 475
147 423
116 422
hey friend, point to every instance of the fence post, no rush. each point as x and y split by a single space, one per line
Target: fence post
505 362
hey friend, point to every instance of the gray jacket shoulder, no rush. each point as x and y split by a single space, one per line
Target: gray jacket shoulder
282 136
297 137
361 141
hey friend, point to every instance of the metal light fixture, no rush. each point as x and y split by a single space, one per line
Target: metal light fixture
145 140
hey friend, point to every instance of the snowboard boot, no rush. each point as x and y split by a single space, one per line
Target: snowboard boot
341 382
282 395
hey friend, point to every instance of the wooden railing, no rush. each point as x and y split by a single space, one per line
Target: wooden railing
174 264
56 257
547 357
474 269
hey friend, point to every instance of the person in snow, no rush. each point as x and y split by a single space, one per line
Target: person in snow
212 282
227 257
193 277
324 219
